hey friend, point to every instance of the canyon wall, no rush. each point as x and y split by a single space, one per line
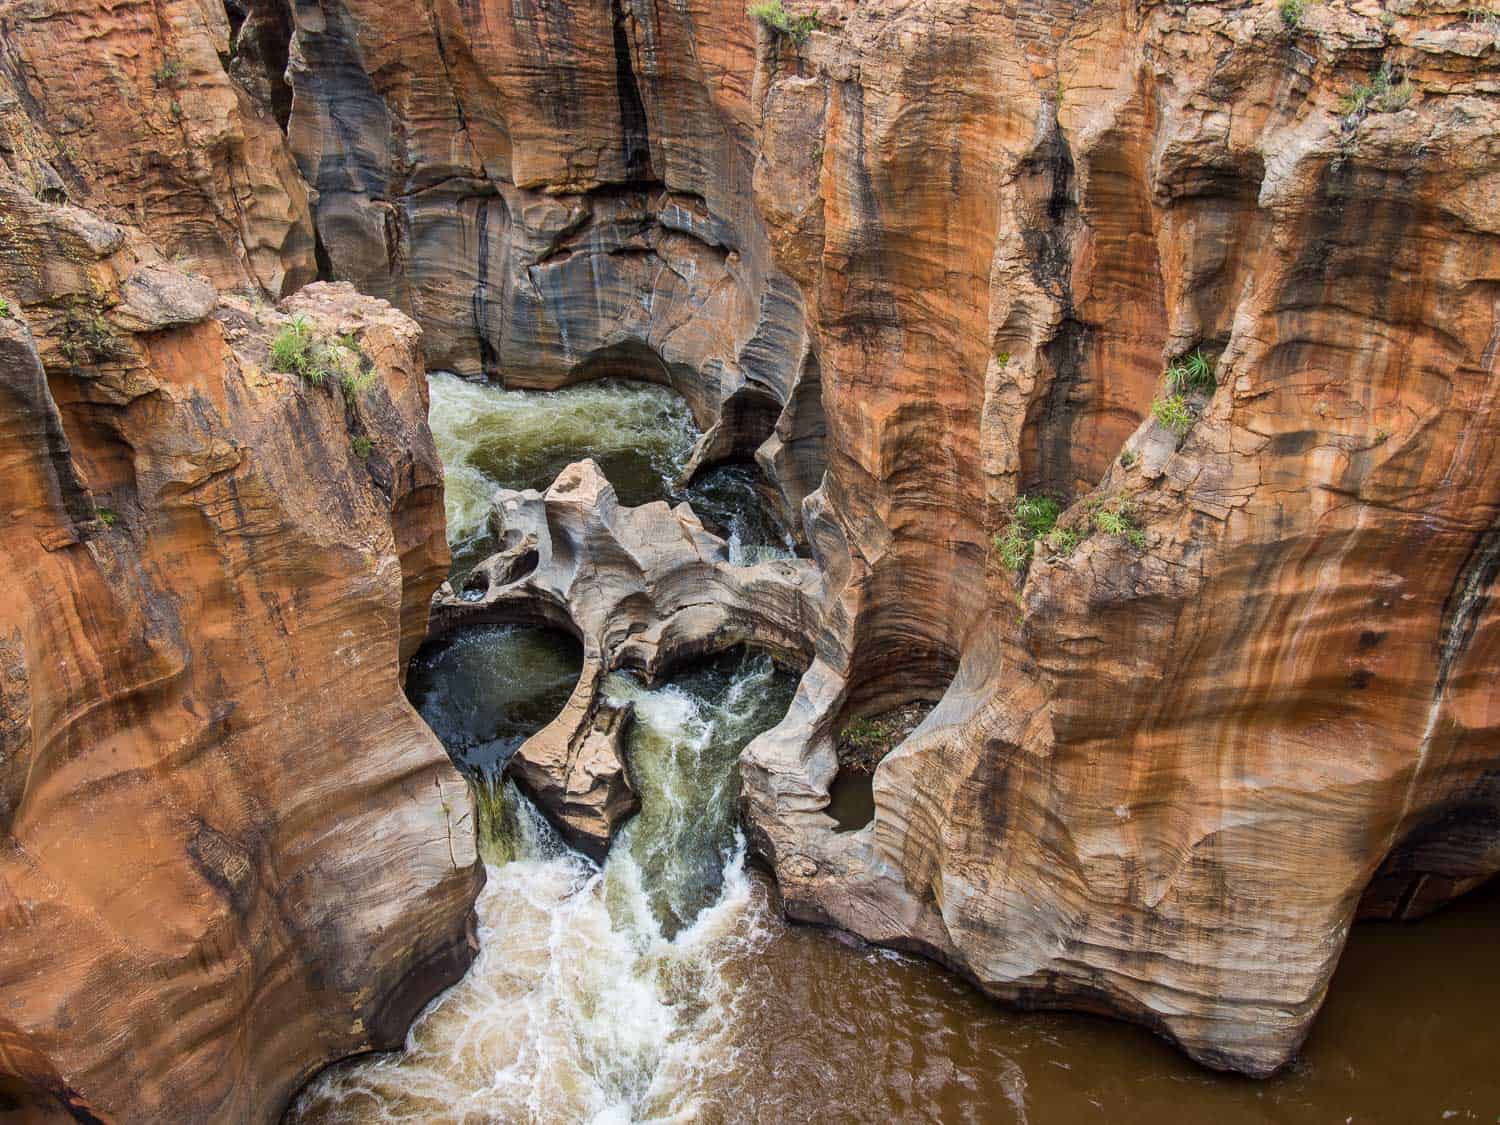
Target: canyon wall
1168 765
230 851
925 259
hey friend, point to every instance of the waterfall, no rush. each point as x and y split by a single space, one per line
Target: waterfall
599 994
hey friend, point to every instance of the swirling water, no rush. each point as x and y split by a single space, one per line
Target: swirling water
664 987
600 994
640 434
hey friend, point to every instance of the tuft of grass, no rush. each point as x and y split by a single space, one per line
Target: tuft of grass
168 73
1128 458
107 516
1292 12
1120 520
298 350
363 446
291 351
1031 518
1173 412
5 312
1063 540
1192 372
773 15
1384 93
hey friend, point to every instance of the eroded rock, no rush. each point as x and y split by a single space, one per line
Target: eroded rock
643 588
231 851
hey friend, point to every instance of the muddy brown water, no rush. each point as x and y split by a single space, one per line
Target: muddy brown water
838 1034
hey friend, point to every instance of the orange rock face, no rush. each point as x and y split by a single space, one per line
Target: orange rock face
1167 772
928 260
231 850
1169 762
126 110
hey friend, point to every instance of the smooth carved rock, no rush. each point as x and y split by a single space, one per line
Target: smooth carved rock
929 259
643 588
557 197
230 851
950 251
1165 784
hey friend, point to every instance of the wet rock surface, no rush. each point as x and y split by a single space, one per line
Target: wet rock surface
644 588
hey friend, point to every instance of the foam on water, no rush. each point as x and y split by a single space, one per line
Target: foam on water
598 995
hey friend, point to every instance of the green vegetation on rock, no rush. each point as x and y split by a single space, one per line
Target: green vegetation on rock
1193 372
298 350
1173 412
1384 93
87 337
772 14
1032 517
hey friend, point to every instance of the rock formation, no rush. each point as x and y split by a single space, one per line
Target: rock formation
127 110
555 197
1160 779
920 262
643 588
231 850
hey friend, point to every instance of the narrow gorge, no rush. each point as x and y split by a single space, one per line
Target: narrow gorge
621 561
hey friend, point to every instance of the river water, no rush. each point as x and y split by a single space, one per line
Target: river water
664 987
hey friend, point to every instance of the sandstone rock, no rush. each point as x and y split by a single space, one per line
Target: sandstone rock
127 110
950 252
556 197
643 588
230 851
931 258
1163 787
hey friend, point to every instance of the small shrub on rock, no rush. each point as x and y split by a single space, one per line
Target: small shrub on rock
1173 412
1120 520
1191 373
774 16
1032 517
298 350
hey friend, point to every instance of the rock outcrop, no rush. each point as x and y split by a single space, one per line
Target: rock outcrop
642 588
561 195
1171 764
230 851
127 110
920 262
1166 767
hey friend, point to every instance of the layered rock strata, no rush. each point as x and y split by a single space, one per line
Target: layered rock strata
1160 779
557 196
643 588
926 260
127 110
230 851
1171 764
